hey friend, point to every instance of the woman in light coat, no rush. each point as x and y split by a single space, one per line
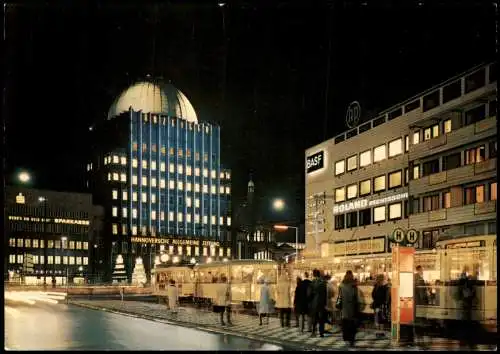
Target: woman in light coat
284 300
173 296
223 300
265 303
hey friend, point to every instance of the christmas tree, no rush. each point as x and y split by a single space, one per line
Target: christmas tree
119 274
139 274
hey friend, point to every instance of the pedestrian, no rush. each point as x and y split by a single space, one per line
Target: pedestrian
284 300
380 296
122 292
306 287
265 303
466 294
349 302
223 300
330 300
421 299
318 303
300 303
173 296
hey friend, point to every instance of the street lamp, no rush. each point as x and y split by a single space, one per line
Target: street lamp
24 177
63 240
45 239
278 204
286 227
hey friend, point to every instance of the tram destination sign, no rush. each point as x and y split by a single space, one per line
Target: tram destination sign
365 203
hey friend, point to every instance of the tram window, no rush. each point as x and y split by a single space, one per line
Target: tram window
365 217
339 222
352 219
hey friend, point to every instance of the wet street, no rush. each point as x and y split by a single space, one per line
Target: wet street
65 327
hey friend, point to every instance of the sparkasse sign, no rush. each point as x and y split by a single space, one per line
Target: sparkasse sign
315 162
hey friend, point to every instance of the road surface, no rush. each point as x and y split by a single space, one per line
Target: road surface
66 327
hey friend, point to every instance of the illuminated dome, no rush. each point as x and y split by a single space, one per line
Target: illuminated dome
155 97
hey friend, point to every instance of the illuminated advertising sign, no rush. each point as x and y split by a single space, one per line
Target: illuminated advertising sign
173 241
365 203
315 162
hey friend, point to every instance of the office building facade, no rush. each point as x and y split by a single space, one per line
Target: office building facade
157 172
427 164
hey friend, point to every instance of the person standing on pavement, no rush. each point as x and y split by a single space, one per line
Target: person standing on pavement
306 288
284 300
223 300
348 302
173 296
421 299
465 298
380 296
265 303
299 304
318 303
330 300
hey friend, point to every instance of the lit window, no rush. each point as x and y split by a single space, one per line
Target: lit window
71 245
379 153
197 218
205 252
213 220
28 242
188 186
109 176
179 250
221 220
196 171
480 193
205 172
221 189
134 163
153 165
213 173
352 163
58 260
188 170
35 242
365 158
124 195
144 181
493 191
205 188
416 172
50 259
115 211
427 134
116 159
134 230
188 217
196 203
416 138
228 221
134 180
446 200
171 168
162 215
116 177
180 169
85 260
228 175
339 167
447 126
213 189
144 197
365 187
124 229
115 229
379 183
124 212
123 177
196 251
171 184
407 143
134 196
71 260
153 182
153 198
352 191
153 214
162 166
170 216
188 202
228 190
114 194
379 214
180 185
123 160
179 217
395 179
435 131
134 213
396 147
395 211
205 219
339 194
162 183
196 187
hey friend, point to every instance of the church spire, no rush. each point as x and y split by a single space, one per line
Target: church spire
250 190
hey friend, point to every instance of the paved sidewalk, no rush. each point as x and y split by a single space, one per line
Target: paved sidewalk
248 326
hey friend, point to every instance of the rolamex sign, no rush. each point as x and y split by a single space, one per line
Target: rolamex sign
365 203
315 162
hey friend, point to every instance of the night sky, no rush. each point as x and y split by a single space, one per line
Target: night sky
261 72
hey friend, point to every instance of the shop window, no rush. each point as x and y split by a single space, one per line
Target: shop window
339 194
339 167
395 179
430 167
352 191
365 217
451 161
395 147
339 222
365 187
493 191
379 153
395 211
379 214
446 200
379 184
352 163
352 219
430 203
365 158
475 155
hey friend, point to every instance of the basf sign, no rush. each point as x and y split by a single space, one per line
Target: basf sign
315 162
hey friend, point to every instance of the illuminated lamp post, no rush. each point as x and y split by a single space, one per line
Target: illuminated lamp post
284 228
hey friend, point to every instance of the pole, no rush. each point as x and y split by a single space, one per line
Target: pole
45 244
296 244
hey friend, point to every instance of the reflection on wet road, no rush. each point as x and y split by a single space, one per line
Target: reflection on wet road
63 327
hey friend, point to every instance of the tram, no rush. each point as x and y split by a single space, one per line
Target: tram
183 277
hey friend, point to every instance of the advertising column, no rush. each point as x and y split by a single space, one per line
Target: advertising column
402 297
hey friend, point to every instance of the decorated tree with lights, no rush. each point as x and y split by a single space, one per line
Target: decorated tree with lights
119 273
139 274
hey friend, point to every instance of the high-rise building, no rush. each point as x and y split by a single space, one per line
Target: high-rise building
157 171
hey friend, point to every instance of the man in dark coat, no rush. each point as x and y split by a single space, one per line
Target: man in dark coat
301 301
317 296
